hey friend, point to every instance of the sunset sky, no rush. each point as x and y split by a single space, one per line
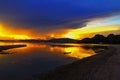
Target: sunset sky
44 19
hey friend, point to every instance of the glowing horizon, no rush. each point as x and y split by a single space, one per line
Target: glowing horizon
92 27
8 35
96 26
75 34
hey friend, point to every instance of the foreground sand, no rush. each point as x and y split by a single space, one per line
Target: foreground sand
103 66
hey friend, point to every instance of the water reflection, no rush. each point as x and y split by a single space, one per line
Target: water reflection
39 57
3 48
78 52
70 50
74 50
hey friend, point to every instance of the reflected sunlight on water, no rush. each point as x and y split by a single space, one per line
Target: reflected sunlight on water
69 50
39 57
78 52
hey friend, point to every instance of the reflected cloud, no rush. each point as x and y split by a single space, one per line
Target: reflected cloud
78 51
74 50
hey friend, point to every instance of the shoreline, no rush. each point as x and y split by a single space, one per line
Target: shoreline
103 66
6 47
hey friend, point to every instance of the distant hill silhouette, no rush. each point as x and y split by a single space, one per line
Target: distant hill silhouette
97 39
62 40
110 39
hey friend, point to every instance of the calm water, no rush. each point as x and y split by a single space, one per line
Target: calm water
19 63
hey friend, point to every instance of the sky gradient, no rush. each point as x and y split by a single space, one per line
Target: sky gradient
58 18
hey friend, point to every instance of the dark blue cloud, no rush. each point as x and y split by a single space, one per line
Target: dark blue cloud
48 13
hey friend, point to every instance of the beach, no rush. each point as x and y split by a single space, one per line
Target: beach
103 66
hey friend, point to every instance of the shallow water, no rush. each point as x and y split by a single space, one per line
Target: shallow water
19 63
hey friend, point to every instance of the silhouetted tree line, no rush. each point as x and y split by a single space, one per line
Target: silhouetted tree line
110 39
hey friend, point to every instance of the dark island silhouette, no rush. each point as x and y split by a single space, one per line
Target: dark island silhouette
62 40
100 39
97 39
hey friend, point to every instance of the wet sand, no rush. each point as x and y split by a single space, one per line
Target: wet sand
103 66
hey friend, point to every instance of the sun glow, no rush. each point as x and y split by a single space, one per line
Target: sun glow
4 34
95 26
75 34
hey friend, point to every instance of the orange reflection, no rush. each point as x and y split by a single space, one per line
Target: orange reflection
31 47
78 52
75 50
34 45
